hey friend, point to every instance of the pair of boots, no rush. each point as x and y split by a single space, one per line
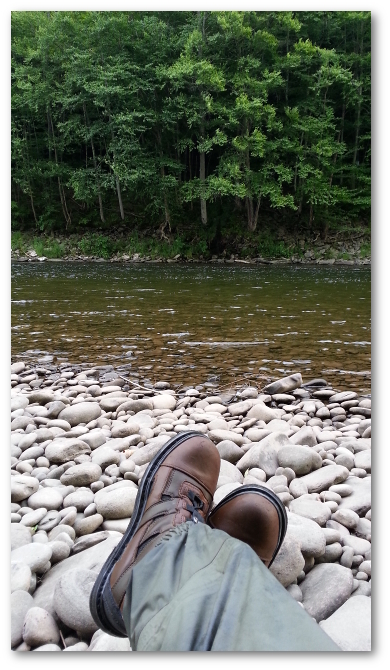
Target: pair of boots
178 486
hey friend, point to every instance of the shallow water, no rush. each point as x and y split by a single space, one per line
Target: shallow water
191 323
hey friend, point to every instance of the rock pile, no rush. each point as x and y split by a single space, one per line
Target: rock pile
80 444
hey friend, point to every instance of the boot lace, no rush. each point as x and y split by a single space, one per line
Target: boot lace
195 506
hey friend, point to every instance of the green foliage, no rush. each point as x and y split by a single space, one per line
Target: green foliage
269 247
95 244
115 113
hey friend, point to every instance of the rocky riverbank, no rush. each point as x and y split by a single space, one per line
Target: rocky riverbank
80 443
309 259
351 247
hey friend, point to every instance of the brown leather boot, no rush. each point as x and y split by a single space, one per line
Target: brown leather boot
177 486
255 515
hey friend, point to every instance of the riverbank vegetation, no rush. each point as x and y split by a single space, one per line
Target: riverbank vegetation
191 133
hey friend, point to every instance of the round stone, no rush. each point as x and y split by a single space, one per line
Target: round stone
88 524
346 517
64 449
33 518
71 600
82 412
300 459
81 475
311 509
21 602
20 577
20 536
23 486
289 562
35 555
49 498
80 499
40 628
117 503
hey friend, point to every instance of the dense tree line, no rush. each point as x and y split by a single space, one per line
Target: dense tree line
171 116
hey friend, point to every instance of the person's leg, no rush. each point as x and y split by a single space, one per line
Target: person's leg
201 590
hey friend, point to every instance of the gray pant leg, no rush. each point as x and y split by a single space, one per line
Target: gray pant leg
202 590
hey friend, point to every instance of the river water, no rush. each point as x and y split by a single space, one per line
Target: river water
191 324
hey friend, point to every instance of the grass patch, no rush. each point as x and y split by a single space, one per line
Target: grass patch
271 247
18 241
94 244
365 250
345 256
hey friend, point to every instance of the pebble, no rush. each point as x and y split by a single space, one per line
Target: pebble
71 600
103 642
359 500
300 459
20 536
50 498
307 532
33 518
317 459
261 412
79 646
289 562
284 385
20 577
263 454
64 449
60 551
87 525
223 435
347 557
34 555
39 628
22 487
311 509
21 603
298 488
363 460
49 521
82 412
322 479
350 625
81 475
332 553
95 438
117 503
116 525
358 545
48 647
89 540
325 588
347 518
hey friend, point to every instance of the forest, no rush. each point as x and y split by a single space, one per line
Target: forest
190 123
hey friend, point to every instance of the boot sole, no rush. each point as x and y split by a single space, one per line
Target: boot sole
264 492
101 603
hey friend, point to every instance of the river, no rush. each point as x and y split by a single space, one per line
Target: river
190 324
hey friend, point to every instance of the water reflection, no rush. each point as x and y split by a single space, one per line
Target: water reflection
186 324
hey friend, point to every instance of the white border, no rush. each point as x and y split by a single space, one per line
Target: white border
380 306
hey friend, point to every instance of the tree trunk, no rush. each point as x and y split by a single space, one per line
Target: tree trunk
28 178
95 165
355 150
253 215
118 190
118 186
202 155
65 212
202 175
342 138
